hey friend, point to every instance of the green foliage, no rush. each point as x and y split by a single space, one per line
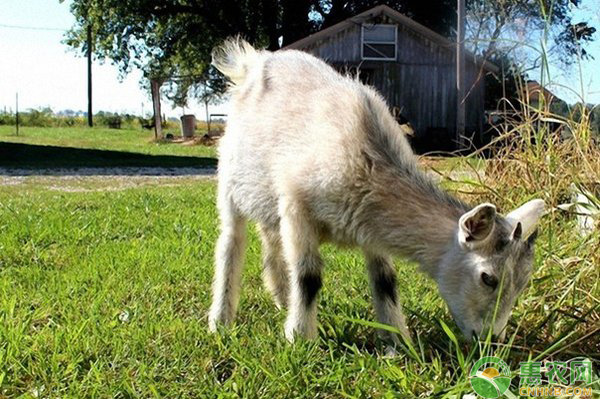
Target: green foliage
7 119
586 114
45 118
42 117
438 15
502 89
167 39
171 40
105 282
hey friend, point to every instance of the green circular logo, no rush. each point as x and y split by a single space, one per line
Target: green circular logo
490 377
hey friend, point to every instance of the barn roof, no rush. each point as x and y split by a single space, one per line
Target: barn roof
394 15
534 90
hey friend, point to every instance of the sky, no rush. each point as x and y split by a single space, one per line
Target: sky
46 73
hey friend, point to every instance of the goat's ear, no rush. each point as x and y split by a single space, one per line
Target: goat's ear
528 215
475 226
517 232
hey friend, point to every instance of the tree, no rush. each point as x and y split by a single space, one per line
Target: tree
438 15
173 39
498 27
208 89
169 38
507 32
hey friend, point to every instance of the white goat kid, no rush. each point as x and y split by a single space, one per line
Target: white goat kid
313 156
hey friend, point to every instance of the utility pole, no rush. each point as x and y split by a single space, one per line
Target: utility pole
89 70
460 74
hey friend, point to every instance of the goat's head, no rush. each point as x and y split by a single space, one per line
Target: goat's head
488 266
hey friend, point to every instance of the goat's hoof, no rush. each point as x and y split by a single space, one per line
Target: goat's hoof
212 325
390 352
290 335
215 320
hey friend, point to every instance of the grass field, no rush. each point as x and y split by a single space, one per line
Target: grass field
104 292
122 140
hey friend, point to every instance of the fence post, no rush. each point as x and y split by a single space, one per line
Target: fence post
17 113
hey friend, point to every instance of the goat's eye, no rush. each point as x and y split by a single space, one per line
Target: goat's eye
489 280
501 244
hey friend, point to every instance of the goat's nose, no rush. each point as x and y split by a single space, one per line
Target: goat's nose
498 338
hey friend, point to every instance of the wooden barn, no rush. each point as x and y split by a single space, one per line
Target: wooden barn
412 66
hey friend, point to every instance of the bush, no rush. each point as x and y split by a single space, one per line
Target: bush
7 119
42 118
46 118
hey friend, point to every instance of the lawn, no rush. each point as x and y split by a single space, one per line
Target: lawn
104 293
123 140
105 286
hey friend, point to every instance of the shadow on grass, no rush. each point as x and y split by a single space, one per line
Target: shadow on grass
35 157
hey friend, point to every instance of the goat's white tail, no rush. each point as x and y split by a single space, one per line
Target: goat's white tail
234 59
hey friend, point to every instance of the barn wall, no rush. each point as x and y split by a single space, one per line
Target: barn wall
421 81
343 46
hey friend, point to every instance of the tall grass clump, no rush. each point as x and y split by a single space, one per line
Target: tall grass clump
539 153
555 158
543 155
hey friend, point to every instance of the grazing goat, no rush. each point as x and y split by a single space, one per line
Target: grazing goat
313 156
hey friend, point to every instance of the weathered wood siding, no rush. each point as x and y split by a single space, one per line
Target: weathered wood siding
421 81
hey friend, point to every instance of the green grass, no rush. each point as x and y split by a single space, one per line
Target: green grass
105 294
125 140
105 286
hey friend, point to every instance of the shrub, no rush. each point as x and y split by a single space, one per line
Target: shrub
7 119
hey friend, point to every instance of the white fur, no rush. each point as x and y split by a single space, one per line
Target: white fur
313 156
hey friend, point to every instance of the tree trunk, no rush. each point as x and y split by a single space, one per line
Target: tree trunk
270 15
294 21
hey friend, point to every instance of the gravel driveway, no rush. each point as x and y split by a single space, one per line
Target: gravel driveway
102 179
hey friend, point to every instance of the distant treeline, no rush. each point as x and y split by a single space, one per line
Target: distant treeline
579 112
45 117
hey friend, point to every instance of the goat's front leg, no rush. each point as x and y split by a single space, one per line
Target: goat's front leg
229 259
301 250
382 277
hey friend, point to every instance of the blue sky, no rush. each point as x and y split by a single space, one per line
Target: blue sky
46 73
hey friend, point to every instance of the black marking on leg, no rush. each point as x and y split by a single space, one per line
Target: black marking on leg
385 286
310 283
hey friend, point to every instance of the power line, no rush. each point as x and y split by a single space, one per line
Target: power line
32 28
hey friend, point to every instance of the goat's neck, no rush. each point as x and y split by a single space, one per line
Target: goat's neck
415 218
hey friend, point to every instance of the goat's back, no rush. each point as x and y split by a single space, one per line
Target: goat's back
298 126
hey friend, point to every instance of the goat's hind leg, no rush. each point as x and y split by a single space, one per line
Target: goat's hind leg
382 277
301 249
229 258
275 272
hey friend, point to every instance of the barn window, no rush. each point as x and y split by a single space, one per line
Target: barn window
379 42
